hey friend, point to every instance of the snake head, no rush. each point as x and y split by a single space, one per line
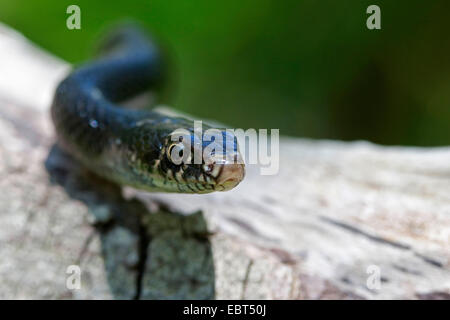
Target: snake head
202 163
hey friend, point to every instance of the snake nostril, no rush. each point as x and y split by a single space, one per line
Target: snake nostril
231 175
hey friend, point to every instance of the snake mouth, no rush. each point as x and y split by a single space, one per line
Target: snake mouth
230 176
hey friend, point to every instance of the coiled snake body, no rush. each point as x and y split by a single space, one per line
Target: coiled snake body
132 147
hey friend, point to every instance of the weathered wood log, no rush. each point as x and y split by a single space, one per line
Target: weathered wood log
335 215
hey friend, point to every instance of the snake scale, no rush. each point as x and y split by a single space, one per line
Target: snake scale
134 146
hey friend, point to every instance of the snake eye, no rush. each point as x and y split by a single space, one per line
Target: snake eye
175 152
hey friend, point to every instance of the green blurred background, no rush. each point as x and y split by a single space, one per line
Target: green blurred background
310 68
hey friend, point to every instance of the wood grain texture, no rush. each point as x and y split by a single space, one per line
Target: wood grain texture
310 232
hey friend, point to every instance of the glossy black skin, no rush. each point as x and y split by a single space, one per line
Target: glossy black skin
124 145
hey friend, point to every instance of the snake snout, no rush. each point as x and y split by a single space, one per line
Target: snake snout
231 174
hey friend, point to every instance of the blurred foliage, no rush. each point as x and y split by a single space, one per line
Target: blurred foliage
310 68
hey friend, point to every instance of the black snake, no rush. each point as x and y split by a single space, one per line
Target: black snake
129 146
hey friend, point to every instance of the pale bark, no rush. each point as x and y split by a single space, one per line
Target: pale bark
312 231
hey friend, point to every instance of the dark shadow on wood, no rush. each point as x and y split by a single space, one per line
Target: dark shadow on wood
147 255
